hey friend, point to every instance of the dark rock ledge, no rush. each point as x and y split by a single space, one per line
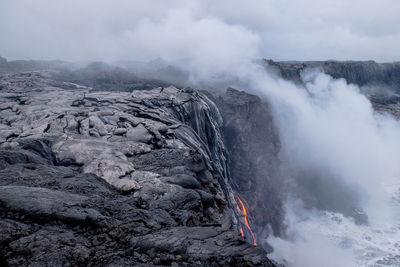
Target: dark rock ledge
113 178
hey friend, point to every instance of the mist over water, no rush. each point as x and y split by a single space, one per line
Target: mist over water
340 160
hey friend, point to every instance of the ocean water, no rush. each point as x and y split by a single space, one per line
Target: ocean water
329 239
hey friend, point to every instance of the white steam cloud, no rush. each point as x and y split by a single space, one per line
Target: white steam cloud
332 127
204 46
331 134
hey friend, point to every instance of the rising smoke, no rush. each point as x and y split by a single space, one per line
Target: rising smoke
340 158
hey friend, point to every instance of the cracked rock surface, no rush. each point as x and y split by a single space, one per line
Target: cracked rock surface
113 178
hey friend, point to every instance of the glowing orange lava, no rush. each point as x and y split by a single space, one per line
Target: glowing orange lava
241 231
244 211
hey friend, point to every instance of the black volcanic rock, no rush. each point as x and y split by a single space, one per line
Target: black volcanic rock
114 178
253 145
361 73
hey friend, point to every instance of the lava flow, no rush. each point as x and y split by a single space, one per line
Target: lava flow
246 222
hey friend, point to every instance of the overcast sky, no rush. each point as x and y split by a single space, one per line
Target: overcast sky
200 30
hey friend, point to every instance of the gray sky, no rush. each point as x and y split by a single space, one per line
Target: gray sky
201 32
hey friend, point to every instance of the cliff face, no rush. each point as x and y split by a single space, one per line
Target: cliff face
361 73
252 142
114 178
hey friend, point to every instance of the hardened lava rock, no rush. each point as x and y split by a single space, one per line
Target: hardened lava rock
113 178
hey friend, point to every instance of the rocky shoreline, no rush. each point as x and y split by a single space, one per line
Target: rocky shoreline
114 178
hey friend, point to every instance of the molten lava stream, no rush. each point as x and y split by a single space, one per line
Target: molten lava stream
246 222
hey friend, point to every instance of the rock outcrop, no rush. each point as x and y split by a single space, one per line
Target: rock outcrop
114 178
361 73
253 145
